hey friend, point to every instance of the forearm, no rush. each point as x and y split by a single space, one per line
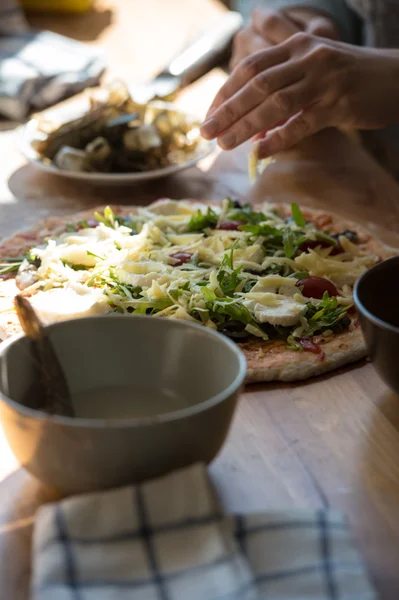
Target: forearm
337 10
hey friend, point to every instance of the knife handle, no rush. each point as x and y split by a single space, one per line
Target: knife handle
202 53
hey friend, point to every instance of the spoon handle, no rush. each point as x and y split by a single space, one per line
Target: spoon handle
54 384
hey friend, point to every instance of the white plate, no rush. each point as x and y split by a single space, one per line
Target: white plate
28 132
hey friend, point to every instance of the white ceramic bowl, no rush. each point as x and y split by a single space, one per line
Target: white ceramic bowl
28 132
195 371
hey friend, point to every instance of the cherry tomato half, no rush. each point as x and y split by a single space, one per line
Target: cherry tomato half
314 287
308 345
181 258
229 225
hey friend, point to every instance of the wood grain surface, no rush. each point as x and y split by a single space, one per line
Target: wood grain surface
332 441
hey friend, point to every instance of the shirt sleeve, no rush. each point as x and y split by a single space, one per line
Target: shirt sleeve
338 10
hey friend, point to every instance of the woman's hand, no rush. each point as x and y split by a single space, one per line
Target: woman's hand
269 28
302 86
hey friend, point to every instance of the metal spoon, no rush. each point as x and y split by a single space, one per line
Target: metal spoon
54 387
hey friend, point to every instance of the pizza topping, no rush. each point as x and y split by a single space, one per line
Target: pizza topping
352 236
9 266
315 287
202 220
180 260
66 303
308 345
229 225
274 308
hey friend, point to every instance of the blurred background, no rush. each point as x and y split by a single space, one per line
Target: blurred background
52 49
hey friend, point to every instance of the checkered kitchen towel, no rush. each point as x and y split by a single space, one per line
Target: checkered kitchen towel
168 539
38 69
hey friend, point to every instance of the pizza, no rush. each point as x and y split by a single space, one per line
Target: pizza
276 279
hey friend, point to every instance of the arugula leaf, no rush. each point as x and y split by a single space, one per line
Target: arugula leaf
151 306
209 295
264 230
224 310
108 218
297 215
321 236
289 243
7 266
82 224
75 267
89 253
249 284
328 314
246 215
130 291
299 275
200 221
177 292
293 344
227 276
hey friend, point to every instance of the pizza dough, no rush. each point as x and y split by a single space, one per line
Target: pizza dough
267 360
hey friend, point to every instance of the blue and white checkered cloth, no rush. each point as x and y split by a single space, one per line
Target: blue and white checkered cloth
169 539
38 69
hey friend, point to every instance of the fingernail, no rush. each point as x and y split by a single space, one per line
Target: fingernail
210 128
228 140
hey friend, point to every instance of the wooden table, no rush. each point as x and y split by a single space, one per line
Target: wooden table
332 441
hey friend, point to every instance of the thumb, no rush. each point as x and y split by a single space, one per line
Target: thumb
323 27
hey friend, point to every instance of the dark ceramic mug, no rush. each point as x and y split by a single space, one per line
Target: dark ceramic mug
376 297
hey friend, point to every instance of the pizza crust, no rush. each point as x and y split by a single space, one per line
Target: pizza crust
266 361
273 362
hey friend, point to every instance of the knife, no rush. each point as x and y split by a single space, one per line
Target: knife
193 61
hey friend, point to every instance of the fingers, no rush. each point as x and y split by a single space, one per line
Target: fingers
273 26
246 70
262 134
323 27
252 95
246 42
296 129
278 107
313 21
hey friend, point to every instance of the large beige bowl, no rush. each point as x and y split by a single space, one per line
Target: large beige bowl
149 354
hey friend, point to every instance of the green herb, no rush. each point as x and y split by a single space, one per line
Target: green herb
297 215
7 266
299 275
265 230
209 295
177 292
289 243
245 214
75 267
89 253
249 284
151 306
222 310
293 344
326 315
70 227
323 237
227 276
201 221
130 291
108 218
